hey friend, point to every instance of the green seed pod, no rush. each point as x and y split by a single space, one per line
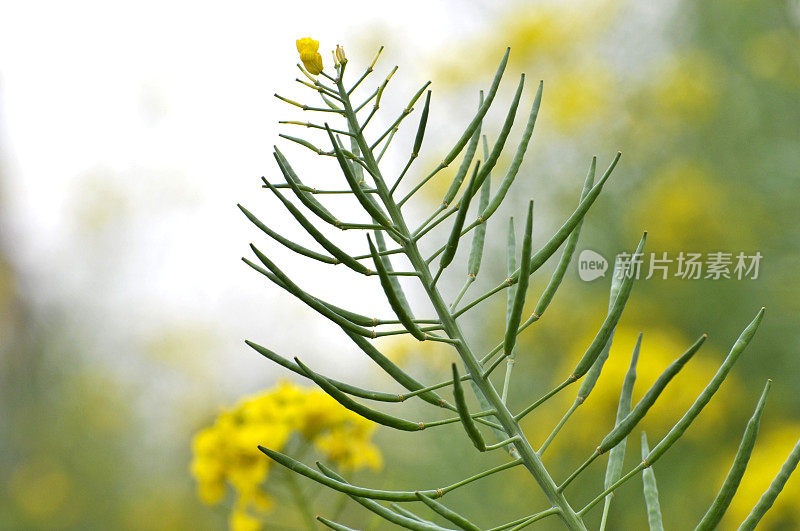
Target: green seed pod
623 428
306 198
365 200
423 122
479 236
344 387
356 407
393 297
461 173
397 374
448 513
405 512
342 256
515 316
775 488
458 224
516 162
476 120
681 426
651 492
333 525
463 412
310 473
609 324
287 284
511 266
299 249
734 477
504 132
569 250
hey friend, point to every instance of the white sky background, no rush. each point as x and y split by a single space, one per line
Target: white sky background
161 115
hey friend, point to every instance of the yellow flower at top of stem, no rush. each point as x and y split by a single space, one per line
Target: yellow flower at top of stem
309 54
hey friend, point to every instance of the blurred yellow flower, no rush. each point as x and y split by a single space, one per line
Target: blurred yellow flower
687 87
309 54
226 453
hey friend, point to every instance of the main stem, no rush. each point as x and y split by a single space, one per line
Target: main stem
529 457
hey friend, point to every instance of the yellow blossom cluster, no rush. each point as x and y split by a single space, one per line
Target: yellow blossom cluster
226 452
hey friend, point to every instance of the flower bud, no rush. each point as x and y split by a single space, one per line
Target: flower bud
309 54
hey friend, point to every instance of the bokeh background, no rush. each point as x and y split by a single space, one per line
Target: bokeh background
130 130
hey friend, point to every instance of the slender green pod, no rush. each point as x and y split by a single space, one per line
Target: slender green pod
463 412
569 250
617 454
333 525
367 202
448 513
375 507
478 118
651 492
306 198
515 315
373 494
705 396
337 253
775 488
356 407
516 162
392 295
405 512
380 243
344 387
423 122
734 477
566 229
511 266
461 173
505 130
458 224
479 236
396 373
610 322
623 428
299 249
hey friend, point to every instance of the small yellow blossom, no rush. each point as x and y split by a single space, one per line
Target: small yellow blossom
339 54
226 453
309 54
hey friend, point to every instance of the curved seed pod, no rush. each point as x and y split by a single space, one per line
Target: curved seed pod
367 202
491 160
399 519
333 525
392 295
511 174
310 473
622 429
461 173
286 242
651 492
397 374
423 122
366 412
342 256
448 513
515 316
734 477
775 488
479 236
463 413
569 250
610 322
380 243
476 120
458 224
511 266
344 387
705 396
617 454
306 198
287 284
588 383
566 229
